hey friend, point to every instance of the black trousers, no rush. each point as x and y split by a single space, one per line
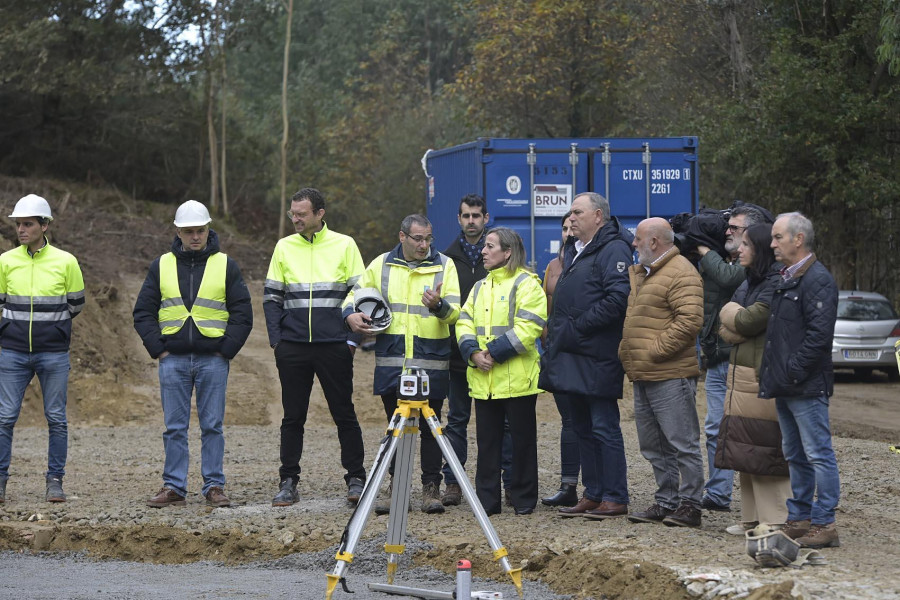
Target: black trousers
522 487
431 456
332 363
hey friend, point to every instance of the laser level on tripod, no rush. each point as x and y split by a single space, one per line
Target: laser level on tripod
400 441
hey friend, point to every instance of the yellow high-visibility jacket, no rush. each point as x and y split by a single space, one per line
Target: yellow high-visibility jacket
39 295
504 314
417 336
209 311
306 285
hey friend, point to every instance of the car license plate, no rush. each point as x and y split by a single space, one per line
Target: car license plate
861 354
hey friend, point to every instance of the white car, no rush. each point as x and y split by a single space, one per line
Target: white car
865 332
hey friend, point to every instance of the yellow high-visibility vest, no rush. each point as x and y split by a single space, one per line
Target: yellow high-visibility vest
209 310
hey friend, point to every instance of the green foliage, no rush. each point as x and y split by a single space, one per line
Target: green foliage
548 68
795 101
889 49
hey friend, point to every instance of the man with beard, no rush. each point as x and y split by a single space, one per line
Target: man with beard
665 313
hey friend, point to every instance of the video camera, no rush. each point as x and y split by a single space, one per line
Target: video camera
708 227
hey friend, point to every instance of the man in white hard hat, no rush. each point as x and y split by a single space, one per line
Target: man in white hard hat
193 314
41 290
309 276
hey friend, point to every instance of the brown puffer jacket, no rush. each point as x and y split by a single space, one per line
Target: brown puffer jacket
749 436
665 314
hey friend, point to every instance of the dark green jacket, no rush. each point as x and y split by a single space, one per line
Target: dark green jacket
720 280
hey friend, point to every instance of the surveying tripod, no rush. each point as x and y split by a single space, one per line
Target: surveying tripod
400 440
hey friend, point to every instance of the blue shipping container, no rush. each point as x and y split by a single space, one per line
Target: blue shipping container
529 184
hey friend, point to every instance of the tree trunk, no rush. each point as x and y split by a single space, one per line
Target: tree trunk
213 144
223 171
284 120
739 62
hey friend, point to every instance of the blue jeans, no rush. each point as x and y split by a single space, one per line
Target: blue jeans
17 369
179 375
806 441
665 415
595 421
721 481
459 411
569 458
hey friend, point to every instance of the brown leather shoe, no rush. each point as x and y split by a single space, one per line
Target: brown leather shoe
607 510
579 509
165 497
216 497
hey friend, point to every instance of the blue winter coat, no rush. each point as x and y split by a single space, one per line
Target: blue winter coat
797 358
585 326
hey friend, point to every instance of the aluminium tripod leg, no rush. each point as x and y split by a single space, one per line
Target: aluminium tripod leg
500 553
403 471
363 510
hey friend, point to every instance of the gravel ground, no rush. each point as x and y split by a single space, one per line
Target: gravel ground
112 471
256 551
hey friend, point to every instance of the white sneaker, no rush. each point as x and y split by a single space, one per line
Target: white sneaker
739 528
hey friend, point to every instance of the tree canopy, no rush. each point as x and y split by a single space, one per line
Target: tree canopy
795 101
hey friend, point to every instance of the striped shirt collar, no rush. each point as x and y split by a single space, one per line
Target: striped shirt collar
788 273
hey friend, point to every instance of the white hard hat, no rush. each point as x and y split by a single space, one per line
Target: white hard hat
31 206
370 302
191 214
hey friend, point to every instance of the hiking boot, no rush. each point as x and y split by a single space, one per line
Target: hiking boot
3 481
654 514
383 506
820 536
215 496
684 516
287 493
355 489
452 495
166 497
431 498
566 496
54 489
796 529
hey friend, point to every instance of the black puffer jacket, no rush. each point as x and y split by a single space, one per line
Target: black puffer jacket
468 275
585 327
191 266
797 358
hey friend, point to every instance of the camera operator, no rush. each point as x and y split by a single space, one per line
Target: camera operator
721 277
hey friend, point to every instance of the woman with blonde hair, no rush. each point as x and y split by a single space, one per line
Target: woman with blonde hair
497 330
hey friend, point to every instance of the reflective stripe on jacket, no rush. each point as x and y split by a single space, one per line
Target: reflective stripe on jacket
505 314
417 336
209 310
190 268
306 284
39 295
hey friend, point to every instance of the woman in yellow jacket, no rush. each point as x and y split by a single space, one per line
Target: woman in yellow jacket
497 328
